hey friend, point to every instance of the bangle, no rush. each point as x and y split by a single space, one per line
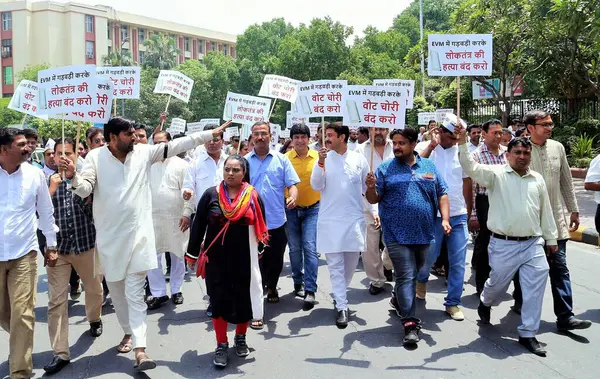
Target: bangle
321 164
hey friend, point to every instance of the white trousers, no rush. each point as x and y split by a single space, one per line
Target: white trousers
156 278
506 257
374 261
128 299
341 270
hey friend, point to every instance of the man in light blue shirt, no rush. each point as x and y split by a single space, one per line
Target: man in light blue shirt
271 173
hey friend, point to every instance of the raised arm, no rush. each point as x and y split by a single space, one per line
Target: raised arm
82 183
482 174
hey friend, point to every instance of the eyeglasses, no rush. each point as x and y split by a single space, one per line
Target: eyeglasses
215 140
233 170
549 125
260 134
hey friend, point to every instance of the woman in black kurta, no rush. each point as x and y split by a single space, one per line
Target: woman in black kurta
232 273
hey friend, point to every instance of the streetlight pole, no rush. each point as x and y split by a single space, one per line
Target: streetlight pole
121 64
422 53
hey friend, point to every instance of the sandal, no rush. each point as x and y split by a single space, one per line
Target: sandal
143 362
257 324
126 345
273 296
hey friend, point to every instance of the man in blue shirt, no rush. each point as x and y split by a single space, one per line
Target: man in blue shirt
271 173
408 185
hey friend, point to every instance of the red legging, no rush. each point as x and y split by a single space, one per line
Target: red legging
220 326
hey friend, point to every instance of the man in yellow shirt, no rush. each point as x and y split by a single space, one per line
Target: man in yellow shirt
302 221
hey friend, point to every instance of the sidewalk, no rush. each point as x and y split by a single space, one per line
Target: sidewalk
587 211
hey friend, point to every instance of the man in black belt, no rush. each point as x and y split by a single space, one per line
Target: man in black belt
489 153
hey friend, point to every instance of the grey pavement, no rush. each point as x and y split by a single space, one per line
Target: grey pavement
586 202
299 344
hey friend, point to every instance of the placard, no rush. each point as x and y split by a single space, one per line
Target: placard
293 119
425 117
279 87
177 126
406 87
174 83
231 132
459 55
25 99
285 133
101 94
275 132
313 127
126 80
321 98
199 126
440 114
66 89
375 106
246 109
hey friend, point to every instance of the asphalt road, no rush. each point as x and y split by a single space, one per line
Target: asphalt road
299 344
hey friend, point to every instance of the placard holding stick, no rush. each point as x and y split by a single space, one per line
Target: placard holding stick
272 109
458 98
162 121
63 173
76 143
372 141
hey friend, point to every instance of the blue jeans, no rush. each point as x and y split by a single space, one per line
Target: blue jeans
302 239
407 261
456 243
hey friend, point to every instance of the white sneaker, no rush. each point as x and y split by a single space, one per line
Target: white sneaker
455 312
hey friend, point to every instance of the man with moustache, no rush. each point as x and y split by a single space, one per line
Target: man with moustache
408 185
141 133
32 140
341 231
474 131
353 140
118 177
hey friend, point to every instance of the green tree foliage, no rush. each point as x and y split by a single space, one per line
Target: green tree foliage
161 52
118 58
30 72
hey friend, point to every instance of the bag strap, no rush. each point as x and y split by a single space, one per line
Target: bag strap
225 227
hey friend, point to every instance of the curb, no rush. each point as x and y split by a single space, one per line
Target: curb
586 235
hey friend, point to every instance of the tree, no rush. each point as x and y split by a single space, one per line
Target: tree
52 128
161 52
30 72
436 18
118 58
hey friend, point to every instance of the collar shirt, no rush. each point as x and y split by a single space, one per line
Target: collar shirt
365 151
303 167
75 221
447 164
593 176
202 174
22 194
484 156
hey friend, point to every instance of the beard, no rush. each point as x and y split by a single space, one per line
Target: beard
125 147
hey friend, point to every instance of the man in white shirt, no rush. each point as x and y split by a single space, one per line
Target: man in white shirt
421 133
340 175
353 140
171 218
23 192
521 222
592 183
118 177
474 132
378 266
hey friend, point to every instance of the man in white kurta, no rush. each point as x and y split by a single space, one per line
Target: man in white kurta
340 176
118 177
171 218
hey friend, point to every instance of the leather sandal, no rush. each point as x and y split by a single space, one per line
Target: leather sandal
143 362
126 345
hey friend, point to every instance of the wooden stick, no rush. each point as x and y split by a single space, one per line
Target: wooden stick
77 143
115 107
272 109
24 119
162 122
63 173
323 130
372 137
458 100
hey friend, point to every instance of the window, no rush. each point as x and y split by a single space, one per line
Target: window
6 48
201 46
225 49
108 27
213 46
7 21
89 49
142 54
186 42
141 35
89 24
124 33
8 75
109 50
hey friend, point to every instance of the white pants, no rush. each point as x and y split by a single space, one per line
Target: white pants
341 270
506 257
128 299
374 261
156 278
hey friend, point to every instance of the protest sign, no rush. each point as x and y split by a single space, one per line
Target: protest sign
245 109
313 127
101 94
440 114
25 99
177 126
406 87
460 55
66 89
199 126
126 80
321 98
293 119
230 132
285 133
374 106
425 117
275 132
174 83
279 87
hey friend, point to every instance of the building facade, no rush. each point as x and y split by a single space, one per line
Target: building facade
71 34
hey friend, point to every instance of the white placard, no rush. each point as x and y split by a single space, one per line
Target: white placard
199 126
285 133
406 87
292 119
177 126
313 127
425 117
275 132
246 109
375 106
440 114
101 92
126 80
321 98
459 55
25 99
230 132
279 87
66 89
174 83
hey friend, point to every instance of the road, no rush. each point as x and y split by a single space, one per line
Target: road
297 343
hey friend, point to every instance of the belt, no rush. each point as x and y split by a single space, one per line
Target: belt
309 206
510 238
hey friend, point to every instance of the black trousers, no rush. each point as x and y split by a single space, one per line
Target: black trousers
271 262
482 260
597 218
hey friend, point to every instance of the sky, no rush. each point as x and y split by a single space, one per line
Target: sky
234 16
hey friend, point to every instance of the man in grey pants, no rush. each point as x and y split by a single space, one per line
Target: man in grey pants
521 222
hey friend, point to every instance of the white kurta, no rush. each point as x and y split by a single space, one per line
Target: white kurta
341 225
166 183
123 203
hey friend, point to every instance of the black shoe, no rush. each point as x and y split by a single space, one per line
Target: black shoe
299 291
156 302
209 310
177 298
533 345
241 348
389 275
75 292
375 290
56 365
221 357
168 276
572 324
411 333
395 306
516 307
310 300
96 328
342 319
484 312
